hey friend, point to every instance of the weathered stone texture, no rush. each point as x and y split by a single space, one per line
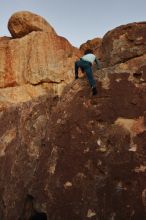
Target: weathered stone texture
37 58
85 159
124 42
23 130
134 67
100 144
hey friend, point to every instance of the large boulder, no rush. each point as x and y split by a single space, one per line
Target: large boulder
24 22
124 42
83 158
96 163
39 57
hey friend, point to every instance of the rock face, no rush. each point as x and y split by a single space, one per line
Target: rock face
98 152
22 134
134 67
72 157
33 59
24 22
37 58
83 159
124 42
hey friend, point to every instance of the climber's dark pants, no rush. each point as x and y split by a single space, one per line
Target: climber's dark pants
87 68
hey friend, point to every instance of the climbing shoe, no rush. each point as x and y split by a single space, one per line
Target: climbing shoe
94 91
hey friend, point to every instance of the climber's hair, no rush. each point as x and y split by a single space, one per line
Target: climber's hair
88 51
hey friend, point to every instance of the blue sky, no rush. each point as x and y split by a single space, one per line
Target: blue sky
77 20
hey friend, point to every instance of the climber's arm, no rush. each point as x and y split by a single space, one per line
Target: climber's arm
97 63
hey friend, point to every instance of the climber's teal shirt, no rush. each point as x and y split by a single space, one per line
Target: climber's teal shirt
91 58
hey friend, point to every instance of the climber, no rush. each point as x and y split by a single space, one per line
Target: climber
85 64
